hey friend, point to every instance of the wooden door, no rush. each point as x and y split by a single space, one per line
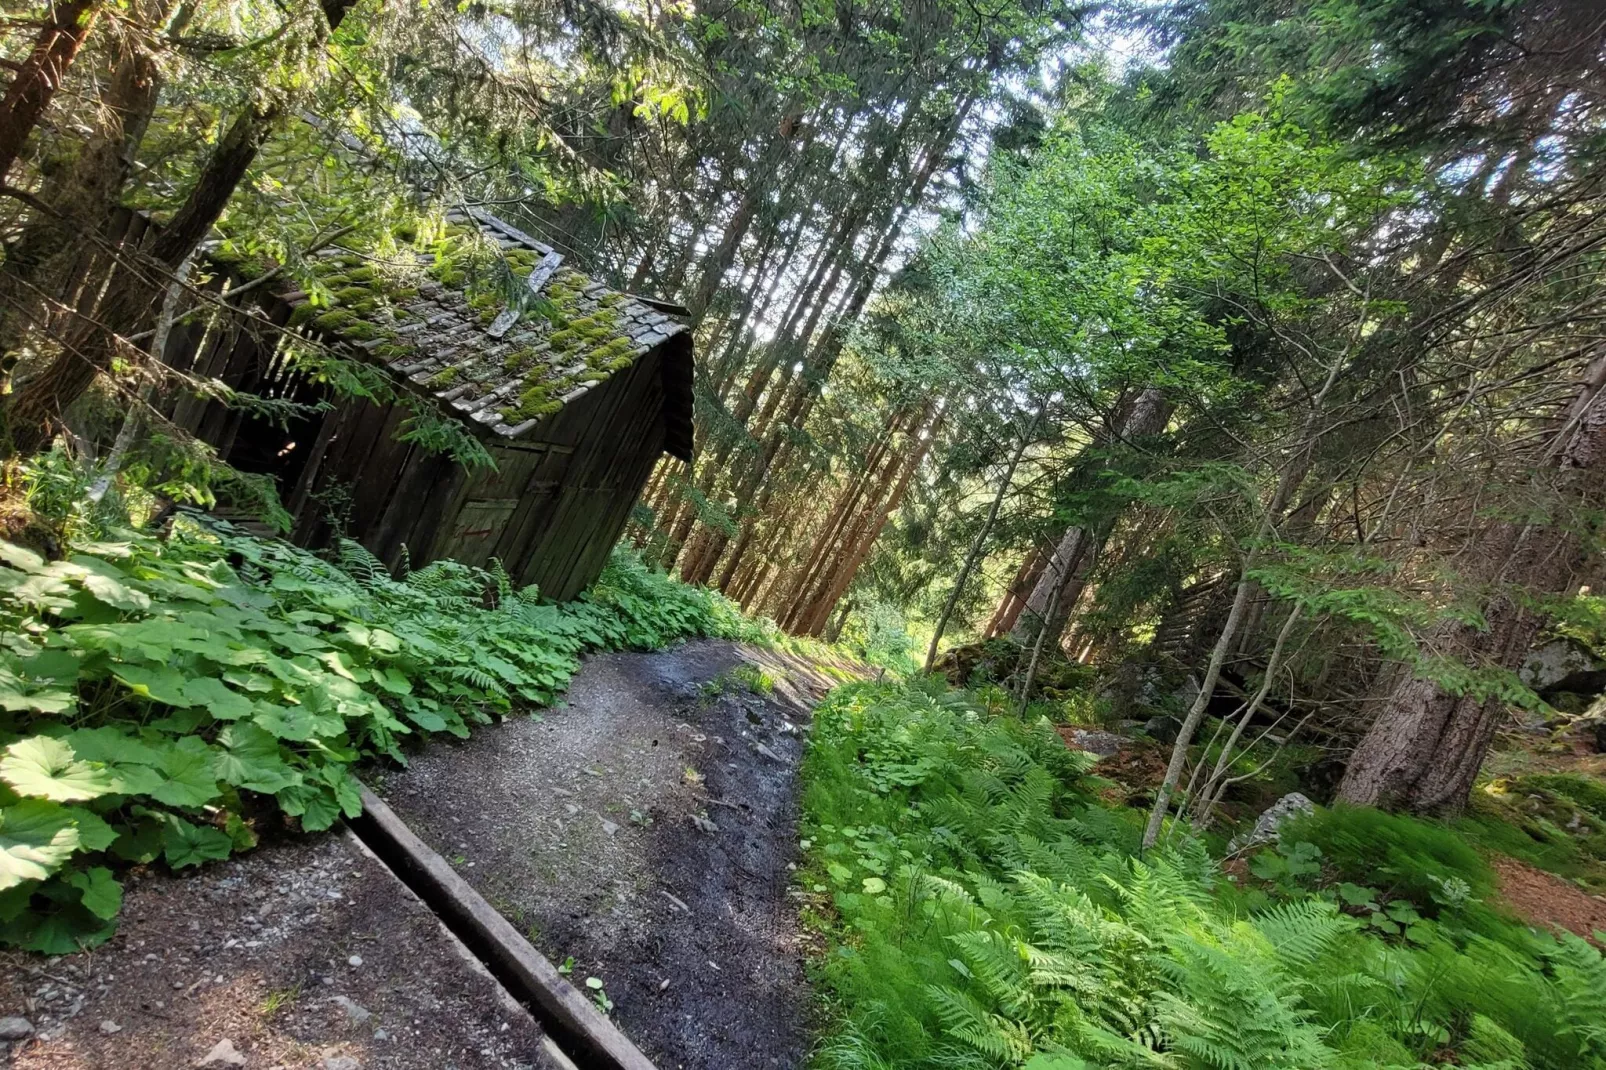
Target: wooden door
477 529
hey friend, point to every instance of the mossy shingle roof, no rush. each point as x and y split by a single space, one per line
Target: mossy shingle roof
435 321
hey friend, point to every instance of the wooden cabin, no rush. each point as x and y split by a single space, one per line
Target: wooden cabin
574 391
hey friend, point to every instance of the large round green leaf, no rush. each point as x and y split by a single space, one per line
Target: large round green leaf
48 768
36 837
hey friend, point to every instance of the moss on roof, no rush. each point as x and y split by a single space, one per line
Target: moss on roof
438 315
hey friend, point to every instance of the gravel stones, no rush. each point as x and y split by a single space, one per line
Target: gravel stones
241 950
15 1028
354 1010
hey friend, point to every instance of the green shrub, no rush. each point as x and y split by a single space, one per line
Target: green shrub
162 699
1527 820
984 911
1588 794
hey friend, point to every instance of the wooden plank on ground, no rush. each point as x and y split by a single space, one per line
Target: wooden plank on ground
582 1030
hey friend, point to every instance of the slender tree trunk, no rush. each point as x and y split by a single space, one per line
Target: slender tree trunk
843 575
66 27
1190 723
1015 595
980 541
1210 794
91 346
80 205
1080 545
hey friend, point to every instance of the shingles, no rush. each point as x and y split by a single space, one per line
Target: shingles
451 344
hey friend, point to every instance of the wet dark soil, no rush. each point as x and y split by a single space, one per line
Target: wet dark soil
300 956
647 832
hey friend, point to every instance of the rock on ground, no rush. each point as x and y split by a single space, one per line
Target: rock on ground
246 964
1268 824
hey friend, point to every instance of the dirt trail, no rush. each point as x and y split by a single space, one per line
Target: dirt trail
647 830
306 955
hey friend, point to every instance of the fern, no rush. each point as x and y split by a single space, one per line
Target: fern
1017 921
1579 990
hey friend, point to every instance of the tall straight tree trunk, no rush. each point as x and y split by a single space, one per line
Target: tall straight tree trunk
845 571
1015 595
79 206
66 27
91 345
723 254
980 541
1195 714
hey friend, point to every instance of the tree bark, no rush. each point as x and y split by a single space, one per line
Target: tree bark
1424 751
65 29
981 540
1190 723
842 577
90 347
80 206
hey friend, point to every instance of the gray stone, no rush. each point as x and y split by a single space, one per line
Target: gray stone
610 827
340 1062
1553 662
355 1011
355 960
223 1053
109 1027
1268 825
1163 728
1093 741
15 1028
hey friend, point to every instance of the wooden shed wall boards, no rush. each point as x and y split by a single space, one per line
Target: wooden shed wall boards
574 392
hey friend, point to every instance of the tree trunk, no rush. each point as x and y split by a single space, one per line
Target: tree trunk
1425 749
1190 723
90 347
66 26
981 540
80 206
1079 547
814 622
1015 595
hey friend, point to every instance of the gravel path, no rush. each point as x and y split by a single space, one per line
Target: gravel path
647 830
300 955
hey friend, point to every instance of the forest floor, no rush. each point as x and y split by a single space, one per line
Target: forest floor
303 955
1547 900
646 833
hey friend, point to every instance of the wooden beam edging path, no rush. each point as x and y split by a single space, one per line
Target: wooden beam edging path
584 1033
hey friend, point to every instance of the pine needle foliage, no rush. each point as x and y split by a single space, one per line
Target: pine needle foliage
985 910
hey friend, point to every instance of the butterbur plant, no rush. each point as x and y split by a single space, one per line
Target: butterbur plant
164 700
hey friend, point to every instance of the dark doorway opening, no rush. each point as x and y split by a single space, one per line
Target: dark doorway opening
267 446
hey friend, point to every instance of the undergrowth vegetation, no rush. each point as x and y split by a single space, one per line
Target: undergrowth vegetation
170 698
984 910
